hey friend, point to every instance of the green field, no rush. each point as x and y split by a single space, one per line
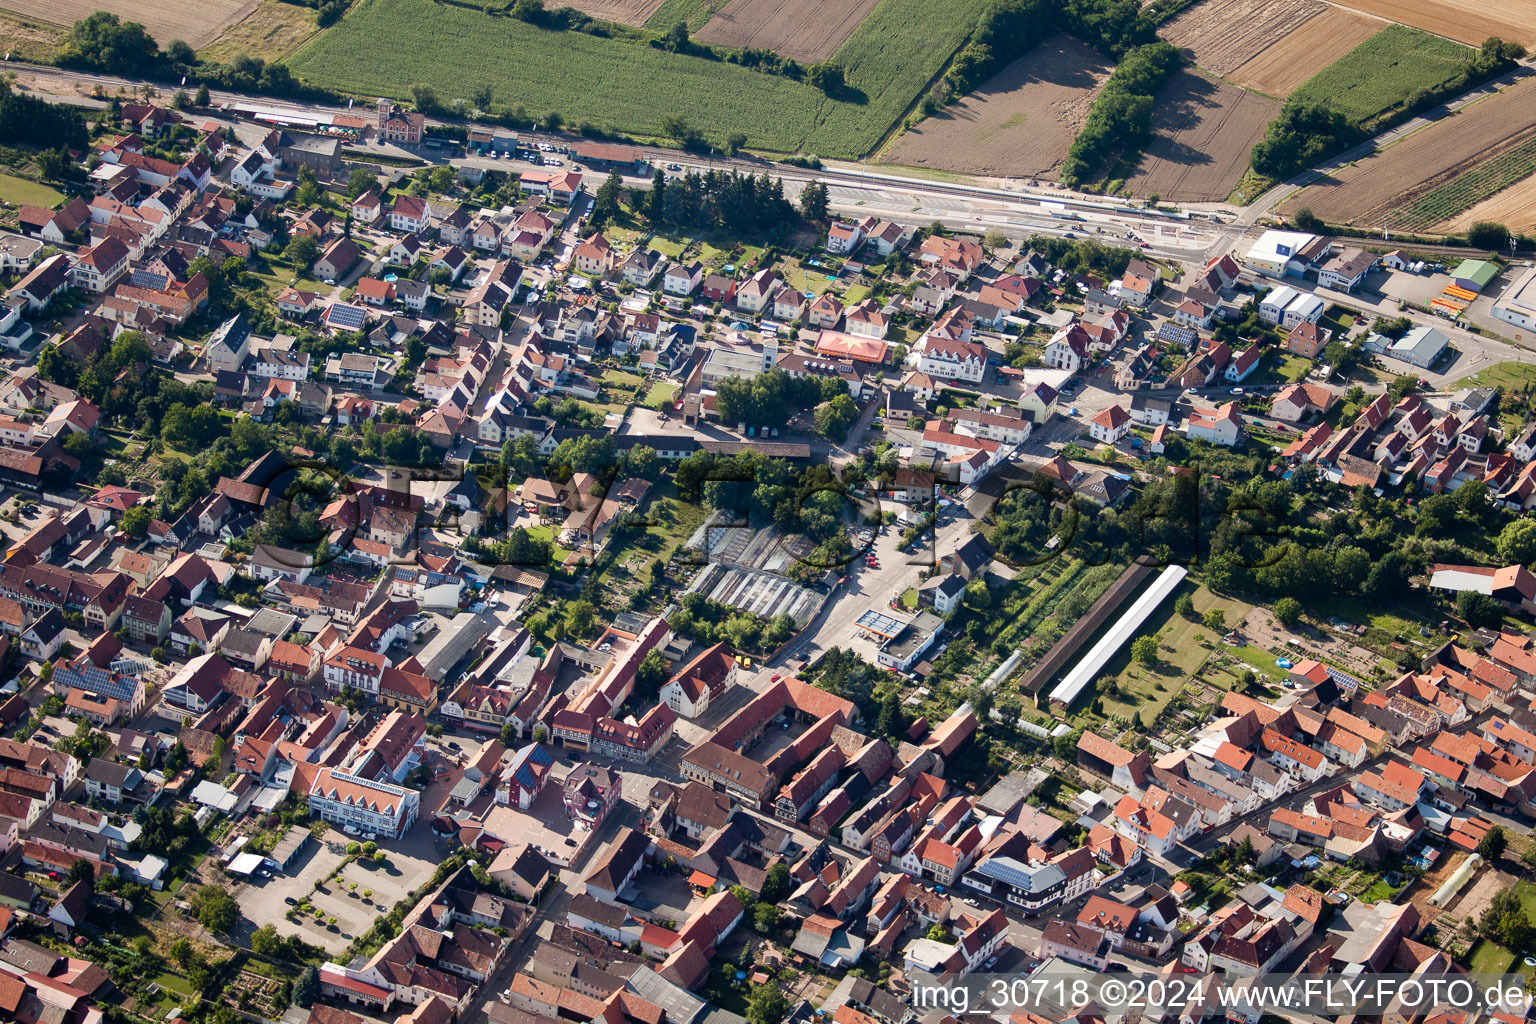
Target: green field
694 13
20 190
1468 189
1383 71
382 47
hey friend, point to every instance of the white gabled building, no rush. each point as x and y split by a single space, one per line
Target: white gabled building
362 804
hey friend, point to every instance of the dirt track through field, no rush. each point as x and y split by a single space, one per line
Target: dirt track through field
1317 42
625 12
1019 123
1372 191
1222 35
1203 131
196 24
808 31
1466 21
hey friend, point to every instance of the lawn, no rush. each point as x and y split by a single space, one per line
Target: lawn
383 47
1509 376
1261 661
20 190
1280 368
1489 958
855 294
1179 655
806 279
175 983
558 554
660 395
1384 71
621 378
272 31
672 248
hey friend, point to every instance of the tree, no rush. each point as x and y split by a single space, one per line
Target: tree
265 941
136 521
995 239
1215 620
1517 542
814 201
1479 610
1185 606
424 97
183 953
360 181
202 99
1288 611
605 204
650 675
103 42
215 908
81 871
52 164
1144 650
833 418
303 250
735 143
776 883
1486 234
765 918
767 1005
1491 846
306 986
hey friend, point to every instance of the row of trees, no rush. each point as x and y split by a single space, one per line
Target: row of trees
716 200
1121 116
27 120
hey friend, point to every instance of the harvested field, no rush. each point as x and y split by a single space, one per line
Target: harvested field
166 20
1222 35
1202 132
625 12
808 31
1515 208
1379 190
1467 21
271 32
1020 123
1299 55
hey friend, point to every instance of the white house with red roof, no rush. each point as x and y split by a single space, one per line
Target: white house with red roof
1110 425
1223 425
410 213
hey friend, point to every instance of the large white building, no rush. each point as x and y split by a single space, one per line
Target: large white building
951 359
362 804
1517 305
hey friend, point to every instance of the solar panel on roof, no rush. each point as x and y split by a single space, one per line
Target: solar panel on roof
346 316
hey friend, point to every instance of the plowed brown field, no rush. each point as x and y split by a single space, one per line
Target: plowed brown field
808 31
1222 35
1312 46
1202 131
625 12
1466 21
197 24
1021 121
1371 191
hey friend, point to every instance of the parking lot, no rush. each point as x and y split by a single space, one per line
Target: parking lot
266 900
